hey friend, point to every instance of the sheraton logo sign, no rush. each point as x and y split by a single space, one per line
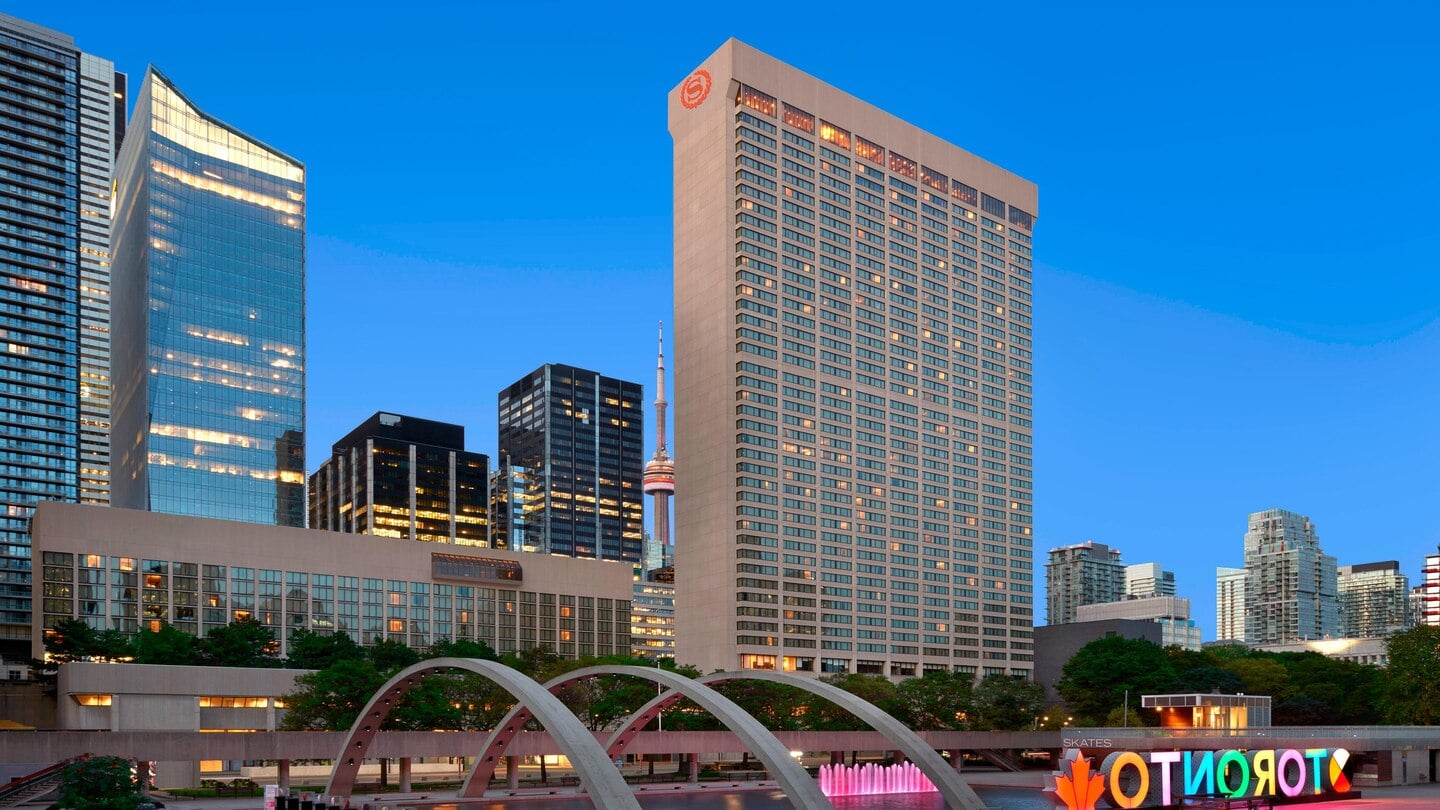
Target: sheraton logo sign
1128 779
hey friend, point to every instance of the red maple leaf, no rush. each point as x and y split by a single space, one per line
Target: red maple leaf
1079 788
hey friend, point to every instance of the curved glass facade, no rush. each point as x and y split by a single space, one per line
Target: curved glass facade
210 286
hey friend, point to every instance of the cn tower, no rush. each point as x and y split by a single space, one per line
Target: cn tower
660 471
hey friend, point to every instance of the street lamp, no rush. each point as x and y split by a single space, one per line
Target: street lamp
1036 725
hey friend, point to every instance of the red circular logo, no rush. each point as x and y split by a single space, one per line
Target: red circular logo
695 88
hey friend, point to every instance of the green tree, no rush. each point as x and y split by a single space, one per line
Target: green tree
877 689
463 648
1262 675
1412 689
99 783
331 699
937 700
1005 703
241 643
165 646
389 656
309 650
1095 679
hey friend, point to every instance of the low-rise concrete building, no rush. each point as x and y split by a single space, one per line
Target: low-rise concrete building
127 569
1172 613
139 697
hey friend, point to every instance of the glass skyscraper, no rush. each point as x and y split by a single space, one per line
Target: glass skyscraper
209 317
61 118
571 459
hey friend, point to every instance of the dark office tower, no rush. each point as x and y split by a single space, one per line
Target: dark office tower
571 462
61 118
398 476
209 318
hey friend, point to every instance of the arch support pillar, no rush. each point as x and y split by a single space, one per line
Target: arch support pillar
604 784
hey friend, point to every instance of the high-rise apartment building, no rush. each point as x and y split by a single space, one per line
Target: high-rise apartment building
208 317
1230 604
1083 574
1148 579
399 476
1290 587
1374 599
852 347
571 460
1427 610
61 120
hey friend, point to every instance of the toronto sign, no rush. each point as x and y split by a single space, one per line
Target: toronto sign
1129 779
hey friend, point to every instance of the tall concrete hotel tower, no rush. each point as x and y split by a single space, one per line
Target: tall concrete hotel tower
853 347
660 473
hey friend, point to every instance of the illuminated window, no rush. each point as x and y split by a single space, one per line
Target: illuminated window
756 100
565 611
799 119
565 635
964 193
934 179
93 700
833 134
1022 218
752 661
234 702
873 152
902 165
397 625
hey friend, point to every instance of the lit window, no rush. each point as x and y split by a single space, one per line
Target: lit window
873 152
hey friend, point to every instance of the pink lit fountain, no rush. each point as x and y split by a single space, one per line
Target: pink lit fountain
871 779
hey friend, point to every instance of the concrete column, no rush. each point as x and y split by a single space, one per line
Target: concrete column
512 772
692 768
957 760
405 774
282 775
142 773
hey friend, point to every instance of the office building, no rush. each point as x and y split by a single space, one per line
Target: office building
1290 587
208 317
1170 612
127 569
1427 609
853 351
1374 599
1148 579
1083 574
571 461
1230 604
652 615
399 476
659 477
62 118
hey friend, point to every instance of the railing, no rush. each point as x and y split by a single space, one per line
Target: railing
22 783
1287 732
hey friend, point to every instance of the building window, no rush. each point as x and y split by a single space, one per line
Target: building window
873 152
799 119
756 100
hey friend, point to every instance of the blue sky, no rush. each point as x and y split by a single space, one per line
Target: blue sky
1237 298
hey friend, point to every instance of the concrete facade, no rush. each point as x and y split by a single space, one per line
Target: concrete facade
852 326
1170 612
1148 579
1055 644
137 697
115 567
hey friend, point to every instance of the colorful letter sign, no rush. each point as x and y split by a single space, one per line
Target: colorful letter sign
1128 779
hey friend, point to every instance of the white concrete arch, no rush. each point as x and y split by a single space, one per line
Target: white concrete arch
802 791
958 795
597 773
